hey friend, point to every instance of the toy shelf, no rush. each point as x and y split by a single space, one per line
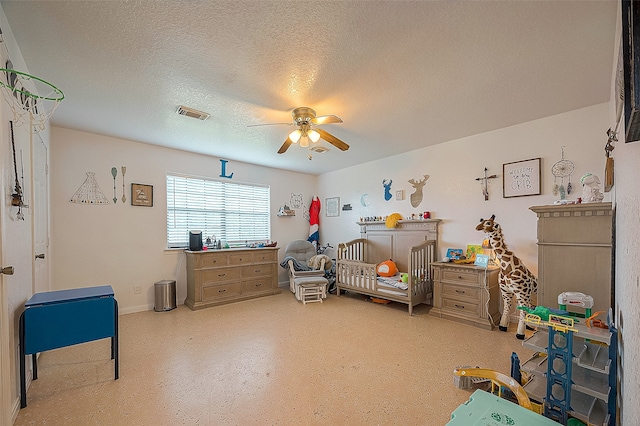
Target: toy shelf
590 389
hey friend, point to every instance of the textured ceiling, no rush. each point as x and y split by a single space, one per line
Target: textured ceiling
402 75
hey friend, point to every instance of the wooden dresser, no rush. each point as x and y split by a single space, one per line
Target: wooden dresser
574 253
466 293
217 277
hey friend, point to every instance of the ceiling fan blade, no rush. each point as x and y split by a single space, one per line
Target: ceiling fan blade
269 124
326 119
332 140
287 143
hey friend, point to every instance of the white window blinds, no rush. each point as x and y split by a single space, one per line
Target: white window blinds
232 212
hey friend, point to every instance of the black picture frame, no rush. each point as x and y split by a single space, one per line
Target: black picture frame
521 178
631 68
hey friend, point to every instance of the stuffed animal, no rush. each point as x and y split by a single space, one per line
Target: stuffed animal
387 268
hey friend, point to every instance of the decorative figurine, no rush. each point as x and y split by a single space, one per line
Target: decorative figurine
591 189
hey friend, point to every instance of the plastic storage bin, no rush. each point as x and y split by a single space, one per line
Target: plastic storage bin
165 295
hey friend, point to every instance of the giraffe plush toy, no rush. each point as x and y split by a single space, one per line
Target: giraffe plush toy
514 277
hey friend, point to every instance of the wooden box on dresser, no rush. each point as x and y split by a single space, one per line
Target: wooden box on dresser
574 252
466 293
217 277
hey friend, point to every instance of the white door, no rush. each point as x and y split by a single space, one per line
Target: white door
5 352
40 216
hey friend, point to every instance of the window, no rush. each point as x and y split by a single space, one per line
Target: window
228 211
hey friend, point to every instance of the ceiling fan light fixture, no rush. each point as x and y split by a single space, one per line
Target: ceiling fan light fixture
313 135
304 141
295 136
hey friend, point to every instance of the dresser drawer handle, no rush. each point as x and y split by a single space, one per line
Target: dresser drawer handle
222 290
257 270
459 306
259 284
221 275
460 291
459 277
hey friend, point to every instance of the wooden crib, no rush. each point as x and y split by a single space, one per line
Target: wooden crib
355 274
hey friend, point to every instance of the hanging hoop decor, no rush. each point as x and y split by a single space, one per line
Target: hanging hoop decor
22 94
561 169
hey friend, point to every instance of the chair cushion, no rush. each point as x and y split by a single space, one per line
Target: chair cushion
301 250
311 280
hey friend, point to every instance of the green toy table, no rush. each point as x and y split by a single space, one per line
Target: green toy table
485 409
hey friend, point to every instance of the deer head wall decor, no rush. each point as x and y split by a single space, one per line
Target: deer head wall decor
387 188
416 197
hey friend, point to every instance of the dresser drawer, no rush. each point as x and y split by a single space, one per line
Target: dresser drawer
240 258
461 276
220 291
258 270
257 285
458 307
219 275
461 292
265 256
211 260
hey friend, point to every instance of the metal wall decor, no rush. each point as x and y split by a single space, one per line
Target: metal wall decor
89 192
561 169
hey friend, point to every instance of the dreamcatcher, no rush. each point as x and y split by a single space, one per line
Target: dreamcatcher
561 169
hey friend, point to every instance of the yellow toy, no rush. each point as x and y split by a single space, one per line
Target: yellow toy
392 220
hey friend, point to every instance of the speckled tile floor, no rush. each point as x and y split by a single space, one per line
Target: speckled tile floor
269 361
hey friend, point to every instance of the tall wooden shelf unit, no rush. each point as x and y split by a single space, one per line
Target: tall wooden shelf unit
574 252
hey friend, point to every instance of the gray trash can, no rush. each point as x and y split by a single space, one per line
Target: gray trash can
165 295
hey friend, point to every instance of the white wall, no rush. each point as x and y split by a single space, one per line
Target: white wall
452 193
627 269
124 245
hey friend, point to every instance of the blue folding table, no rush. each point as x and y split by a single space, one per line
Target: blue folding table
56 319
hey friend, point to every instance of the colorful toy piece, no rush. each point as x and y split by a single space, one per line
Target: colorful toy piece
499 378
574 298
543 312
592 322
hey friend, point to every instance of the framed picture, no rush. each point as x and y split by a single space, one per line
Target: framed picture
333 206
482 260
473 250
521 178
454 253
141 195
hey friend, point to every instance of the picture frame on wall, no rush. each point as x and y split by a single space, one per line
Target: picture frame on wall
333 206
141 195
521 178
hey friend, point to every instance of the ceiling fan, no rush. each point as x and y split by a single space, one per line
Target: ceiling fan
305 120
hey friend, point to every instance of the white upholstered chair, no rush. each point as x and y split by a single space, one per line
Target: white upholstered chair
309 285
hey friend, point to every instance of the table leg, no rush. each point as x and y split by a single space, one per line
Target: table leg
23 385
34 360
114 343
